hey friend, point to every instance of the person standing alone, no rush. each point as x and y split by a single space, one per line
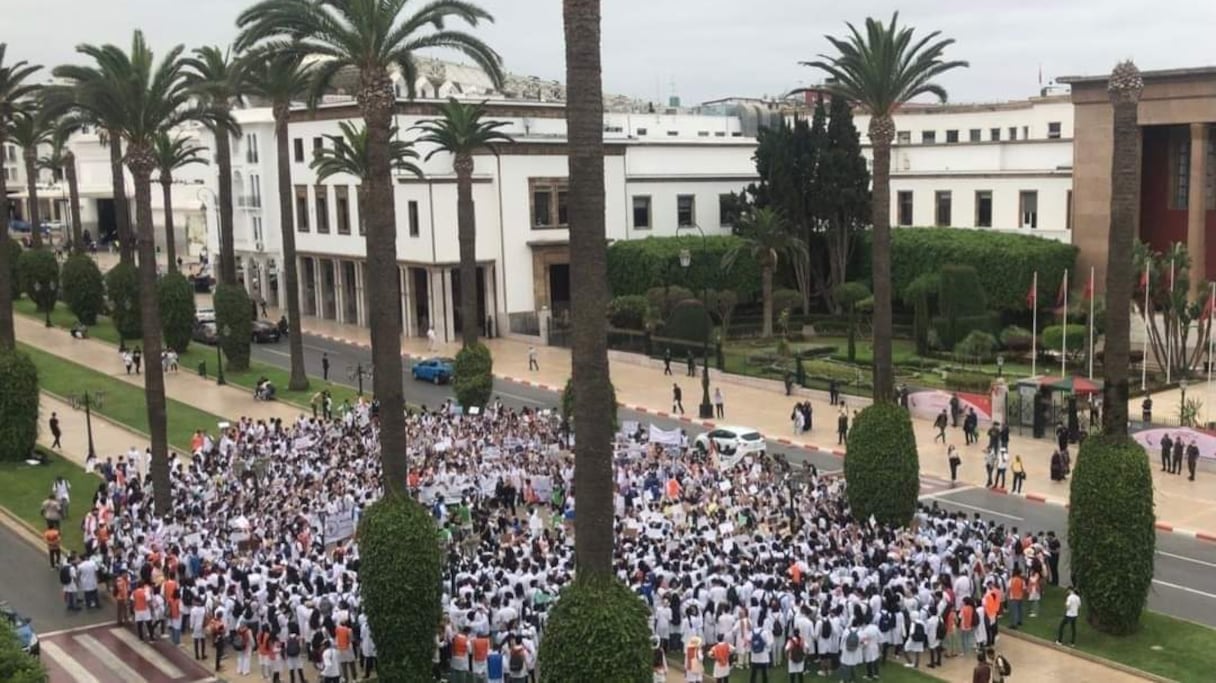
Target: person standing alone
677 399
667 361
324 366
720 411
1072 607
533 365
57 433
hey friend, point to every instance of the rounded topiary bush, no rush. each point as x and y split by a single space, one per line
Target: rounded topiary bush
84 289
473 378
597 631
39 277
122 293
629 312
567 406
1111 532
881 465
689 321
18 406
233 316
400 576
176 297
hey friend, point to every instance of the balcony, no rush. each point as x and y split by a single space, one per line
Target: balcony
249 202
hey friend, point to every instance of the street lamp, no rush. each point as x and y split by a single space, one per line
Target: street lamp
706 410
215 203
1182 406
358 372
221 334
1000 365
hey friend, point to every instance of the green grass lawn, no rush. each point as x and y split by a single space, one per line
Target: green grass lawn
124 403
23 488
1176 649
198 353
893 670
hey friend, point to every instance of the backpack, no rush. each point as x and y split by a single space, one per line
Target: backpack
777 628
238 640
758 646
797 654
886 622
292 649
1003 665
941 629
516 665
65 574
918 634
825 629
852 641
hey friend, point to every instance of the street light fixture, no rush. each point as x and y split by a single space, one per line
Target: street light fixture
1000 365
358 372
706 410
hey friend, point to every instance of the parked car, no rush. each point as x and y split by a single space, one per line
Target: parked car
732 442
204 315
437 370
265 332
206 333
10 618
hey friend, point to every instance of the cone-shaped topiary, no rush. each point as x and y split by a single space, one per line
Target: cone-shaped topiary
18 406
39 277
881 466
597 631
234 317
473 378
176 310
1111 532
122 292
84 289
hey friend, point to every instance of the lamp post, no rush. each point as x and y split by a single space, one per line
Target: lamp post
359 373
215 202
706 410
221 334
1000 365
1182 421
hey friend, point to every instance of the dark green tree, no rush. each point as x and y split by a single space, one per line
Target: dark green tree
13 256
882 466
234 318
18 407
122 294
598 631
849 295
176 310
15 665
918 296
473 376
84 289
960 295
841 191
39 271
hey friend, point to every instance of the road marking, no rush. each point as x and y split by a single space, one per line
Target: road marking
1188 589
148 652
71 666
111 661
74 629
1187 559
947 501
278 353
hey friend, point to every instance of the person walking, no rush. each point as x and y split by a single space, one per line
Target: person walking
126 360
1002 466
53 551
955 460
324 366
1019 473
956 408
1192 459
990 465
720 411
667 361
982 673
55 430
940 424
52 512
677 396
842 427
692 365
137 357
1072 607
533 365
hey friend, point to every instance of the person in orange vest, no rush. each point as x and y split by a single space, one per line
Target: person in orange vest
721 654
481 655
53 551
173 606
344 642
992 611
966 623
460 656
122 594
142 607
1017 593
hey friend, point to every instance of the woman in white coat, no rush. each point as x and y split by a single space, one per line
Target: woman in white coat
852 658
915 644
796 653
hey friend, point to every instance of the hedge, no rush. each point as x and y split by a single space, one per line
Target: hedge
1006 262
400 577
176 296
233 316
15 665
881 465
39 277
963 326
473 376
629 312
122 292
1053 337
598 630
1111 533
84 289
567 404
976 346
689 321
959 295
973 382
1016 338
635 266
18 406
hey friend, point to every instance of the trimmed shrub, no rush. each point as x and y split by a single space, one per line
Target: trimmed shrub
849 295
233 316
401 578
723 302
176 296
881 465
976 346
1016 338
786 300
1052 337
973 382
567 405
959 295
629 312
84 289
39 277
473 378
663 300
598 630
689 321
15 665
18 406
917 296
122 292
636 266
963 326
14 257
1111 534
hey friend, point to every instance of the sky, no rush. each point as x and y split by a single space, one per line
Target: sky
708 49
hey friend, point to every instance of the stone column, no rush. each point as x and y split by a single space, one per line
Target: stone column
408 324
1196 208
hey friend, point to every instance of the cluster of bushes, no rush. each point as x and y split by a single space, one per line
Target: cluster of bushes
18 407
637 266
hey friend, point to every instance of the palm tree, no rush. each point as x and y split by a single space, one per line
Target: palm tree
62 162
880 71
29 130
351 152
281 79
1124 88
220 79
462 133
372 37
14 93
141 100
765 238
172 154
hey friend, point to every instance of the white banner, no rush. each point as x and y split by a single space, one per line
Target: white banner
667 438
339 526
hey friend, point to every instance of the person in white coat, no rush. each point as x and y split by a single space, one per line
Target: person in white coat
796 653
934 646
331 669
852 650
872 642
827 635
760 644
918 638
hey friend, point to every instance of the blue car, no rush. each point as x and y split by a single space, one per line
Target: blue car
9 618
436 370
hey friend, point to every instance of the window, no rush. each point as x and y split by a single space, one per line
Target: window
342 204
301 208
1025 132
1028 206
719 133
928 137
1068 211
974 135
903 137
702 133
549 203
318 143
904 203
542 200
641 212
1013 132
728 213
563 216
983 208
942 200
359 209
1210 194
952 136
298 149
251 148
322 203
672 133
255 191
257 231
686 209
1180 170
1053 130
994 134
413 218
641 132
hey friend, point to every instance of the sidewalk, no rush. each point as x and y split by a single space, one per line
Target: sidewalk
109 438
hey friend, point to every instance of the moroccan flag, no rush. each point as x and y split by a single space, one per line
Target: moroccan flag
1062 295
1032 294
1089 286
1144 279
1207 309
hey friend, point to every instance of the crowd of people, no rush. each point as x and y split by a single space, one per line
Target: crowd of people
748 568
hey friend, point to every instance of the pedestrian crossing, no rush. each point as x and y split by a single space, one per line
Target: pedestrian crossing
932 485
113 654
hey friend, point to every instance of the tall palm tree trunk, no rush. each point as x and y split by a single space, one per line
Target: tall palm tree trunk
166 188
766 295
466 232
141 162
223 154
69 173
882 131
30 155
8 339
1125 90
291 275
589 258
376 101
122 211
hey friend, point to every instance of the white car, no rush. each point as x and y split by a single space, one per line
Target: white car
732 443
205 315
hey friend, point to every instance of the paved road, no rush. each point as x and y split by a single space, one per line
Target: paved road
109 654
1185 583
28 583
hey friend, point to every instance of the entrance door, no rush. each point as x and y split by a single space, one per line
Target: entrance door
559 287
458 324
422 297
107 222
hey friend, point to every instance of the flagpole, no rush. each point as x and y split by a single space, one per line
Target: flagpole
1211 314
1169 346
1064 327
1148 282
1034 331
1091 322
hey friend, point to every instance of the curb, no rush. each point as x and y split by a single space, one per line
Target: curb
22 528
1101 661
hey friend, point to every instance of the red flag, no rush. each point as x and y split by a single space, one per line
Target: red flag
1144 279
1062 295
1207 310
1089 287
1032 296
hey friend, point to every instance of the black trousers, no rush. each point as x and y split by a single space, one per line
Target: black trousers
1071 623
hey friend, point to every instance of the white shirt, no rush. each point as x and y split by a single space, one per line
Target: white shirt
1072 605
